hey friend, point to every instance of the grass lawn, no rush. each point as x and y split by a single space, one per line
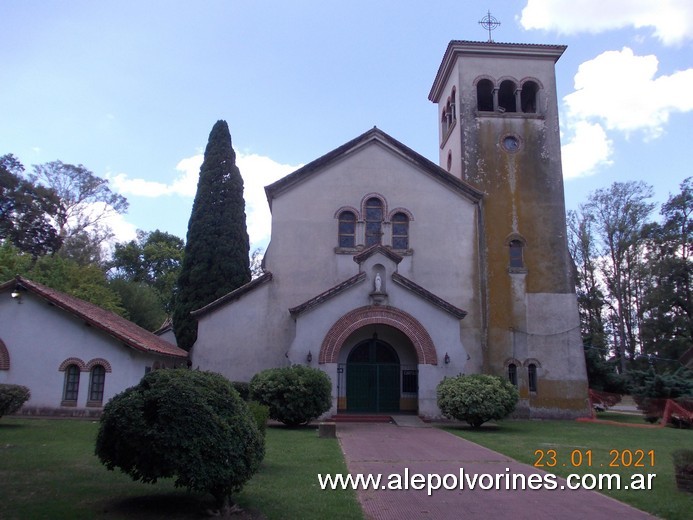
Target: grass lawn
574 443
48 470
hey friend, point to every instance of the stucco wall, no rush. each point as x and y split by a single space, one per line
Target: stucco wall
245 336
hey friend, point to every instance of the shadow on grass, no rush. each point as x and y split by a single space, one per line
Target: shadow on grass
280 426
5 426
177 505
488 427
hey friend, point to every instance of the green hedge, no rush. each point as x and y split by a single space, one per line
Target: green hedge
294 395
12 397
476 398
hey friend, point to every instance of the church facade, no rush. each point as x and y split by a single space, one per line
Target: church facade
390 272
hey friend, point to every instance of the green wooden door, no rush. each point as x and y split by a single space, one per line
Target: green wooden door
373 378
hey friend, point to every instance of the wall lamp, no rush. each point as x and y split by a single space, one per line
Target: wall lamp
446 359
17 293
309 357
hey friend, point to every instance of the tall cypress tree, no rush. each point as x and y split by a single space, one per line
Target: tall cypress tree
217 248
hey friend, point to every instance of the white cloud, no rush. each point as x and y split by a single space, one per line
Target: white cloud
671 20
257 172
588 149
123 230
620 90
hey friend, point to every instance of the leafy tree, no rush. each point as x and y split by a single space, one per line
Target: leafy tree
294 394
185 424
668 302
140 302
85 202
87 282
476 398
155 260
602 374
217 245
26 211
619 214
13 262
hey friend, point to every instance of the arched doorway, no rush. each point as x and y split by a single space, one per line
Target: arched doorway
373 377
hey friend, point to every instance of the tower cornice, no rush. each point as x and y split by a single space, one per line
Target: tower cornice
488 49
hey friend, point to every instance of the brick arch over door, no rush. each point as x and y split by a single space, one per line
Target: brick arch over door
369 315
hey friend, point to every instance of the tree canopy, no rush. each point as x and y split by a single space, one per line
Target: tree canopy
634 278
216 259
27 211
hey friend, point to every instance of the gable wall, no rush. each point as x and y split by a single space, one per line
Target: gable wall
443 232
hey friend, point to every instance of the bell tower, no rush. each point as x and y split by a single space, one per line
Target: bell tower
498 128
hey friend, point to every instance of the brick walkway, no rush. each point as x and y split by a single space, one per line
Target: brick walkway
388 449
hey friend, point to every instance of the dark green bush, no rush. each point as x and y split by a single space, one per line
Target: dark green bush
260 413
12 397
476 398
243 389
294 395
185 424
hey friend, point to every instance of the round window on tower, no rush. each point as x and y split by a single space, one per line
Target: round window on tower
511 143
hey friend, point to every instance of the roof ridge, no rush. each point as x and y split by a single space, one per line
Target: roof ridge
109 322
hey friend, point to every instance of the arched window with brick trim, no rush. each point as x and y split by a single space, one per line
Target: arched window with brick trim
71 389
506 96
374 221
528 97
532 377
484 95
347 229
4 356
512 373
97 381
400 231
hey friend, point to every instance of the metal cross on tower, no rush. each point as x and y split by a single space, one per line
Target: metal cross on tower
489 23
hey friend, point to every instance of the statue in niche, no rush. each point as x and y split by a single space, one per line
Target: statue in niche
378 283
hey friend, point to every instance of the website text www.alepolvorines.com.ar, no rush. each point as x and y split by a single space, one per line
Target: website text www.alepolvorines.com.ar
508 481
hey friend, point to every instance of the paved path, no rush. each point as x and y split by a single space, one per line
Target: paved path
388 448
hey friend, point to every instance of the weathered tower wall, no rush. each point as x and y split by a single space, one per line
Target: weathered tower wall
505 142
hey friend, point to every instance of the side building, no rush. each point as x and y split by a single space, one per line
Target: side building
72 355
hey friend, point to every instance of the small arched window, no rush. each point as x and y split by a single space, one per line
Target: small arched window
400 231
71 391
484 95
528 97
512 373
516 254
506 96
453 109
532 377
97 382
374 221
347 229
449 160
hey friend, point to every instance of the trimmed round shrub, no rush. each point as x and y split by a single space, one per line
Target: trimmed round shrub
294 395
243 389
183 424
12 397
476 398
260 413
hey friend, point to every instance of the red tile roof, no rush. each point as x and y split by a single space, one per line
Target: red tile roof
123 330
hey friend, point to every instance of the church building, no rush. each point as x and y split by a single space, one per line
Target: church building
390 272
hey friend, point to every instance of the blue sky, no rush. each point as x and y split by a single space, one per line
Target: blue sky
131 89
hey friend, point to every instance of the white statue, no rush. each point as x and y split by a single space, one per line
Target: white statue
378 282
